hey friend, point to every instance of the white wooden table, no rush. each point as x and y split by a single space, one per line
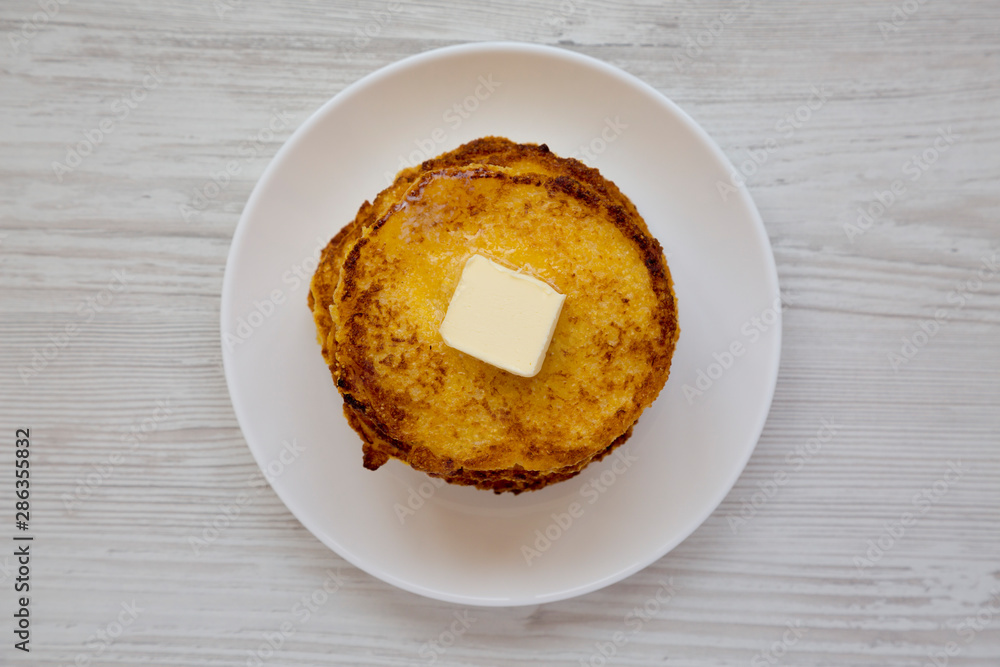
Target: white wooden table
875 542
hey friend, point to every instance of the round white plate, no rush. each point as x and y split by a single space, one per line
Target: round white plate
458 543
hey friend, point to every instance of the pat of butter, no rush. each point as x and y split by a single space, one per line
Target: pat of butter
502 317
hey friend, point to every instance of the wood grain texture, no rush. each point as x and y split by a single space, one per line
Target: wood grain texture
148 353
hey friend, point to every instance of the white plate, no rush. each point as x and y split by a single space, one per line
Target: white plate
462 544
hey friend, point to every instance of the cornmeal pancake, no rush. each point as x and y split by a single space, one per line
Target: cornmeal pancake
385 281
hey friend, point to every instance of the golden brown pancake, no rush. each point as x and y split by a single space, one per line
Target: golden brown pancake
385 281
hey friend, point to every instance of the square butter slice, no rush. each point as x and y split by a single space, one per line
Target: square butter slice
502 317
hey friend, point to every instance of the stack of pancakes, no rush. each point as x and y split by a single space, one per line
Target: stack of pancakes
383 287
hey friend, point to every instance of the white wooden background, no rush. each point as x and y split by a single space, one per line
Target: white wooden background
145 351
